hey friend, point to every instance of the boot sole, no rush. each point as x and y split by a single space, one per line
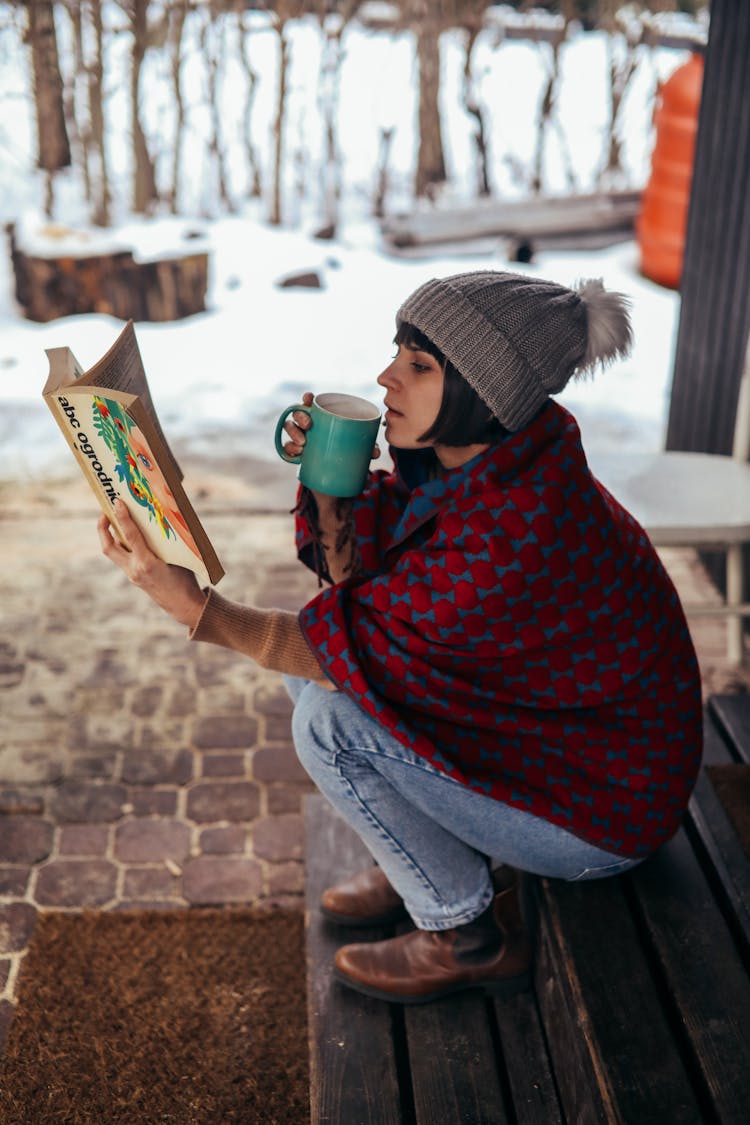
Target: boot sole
503 988
358 922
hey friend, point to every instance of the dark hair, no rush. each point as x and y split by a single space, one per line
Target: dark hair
463 418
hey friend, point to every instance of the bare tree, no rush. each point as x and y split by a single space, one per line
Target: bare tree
102 196
426 19
84 102
212 41
333 25
75 97
472 18
624 29
144 170
285 11
53 152
547 118
251 152
177 14
384 151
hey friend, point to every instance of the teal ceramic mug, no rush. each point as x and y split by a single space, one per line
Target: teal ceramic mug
339 443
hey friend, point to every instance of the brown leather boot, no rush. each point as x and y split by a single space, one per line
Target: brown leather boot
367 899
426 965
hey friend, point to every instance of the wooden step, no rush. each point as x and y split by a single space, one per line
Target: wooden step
640 1010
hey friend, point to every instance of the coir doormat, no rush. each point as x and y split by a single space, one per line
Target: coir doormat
186 1017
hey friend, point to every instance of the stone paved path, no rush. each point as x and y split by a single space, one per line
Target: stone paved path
137 769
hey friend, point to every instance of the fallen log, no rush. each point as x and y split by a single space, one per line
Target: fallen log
525 219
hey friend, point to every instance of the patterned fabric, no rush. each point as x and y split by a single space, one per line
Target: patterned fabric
514 625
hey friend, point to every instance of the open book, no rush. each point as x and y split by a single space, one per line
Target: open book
110 423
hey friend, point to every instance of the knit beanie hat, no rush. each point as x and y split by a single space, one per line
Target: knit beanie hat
518 339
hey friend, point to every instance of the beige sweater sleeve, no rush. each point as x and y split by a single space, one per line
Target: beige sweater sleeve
273 638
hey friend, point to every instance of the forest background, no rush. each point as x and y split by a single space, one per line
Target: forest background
180 71
279 136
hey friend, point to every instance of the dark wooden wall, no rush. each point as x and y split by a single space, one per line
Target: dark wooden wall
715 311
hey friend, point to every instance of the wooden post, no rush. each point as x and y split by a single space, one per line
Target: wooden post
715 312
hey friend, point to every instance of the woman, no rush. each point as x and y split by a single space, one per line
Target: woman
515 675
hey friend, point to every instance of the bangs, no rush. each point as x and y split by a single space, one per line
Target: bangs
463 418
407 336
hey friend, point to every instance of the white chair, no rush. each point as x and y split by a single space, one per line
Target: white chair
694 500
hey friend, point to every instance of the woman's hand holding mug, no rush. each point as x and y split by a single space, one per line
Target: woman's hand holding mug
333 439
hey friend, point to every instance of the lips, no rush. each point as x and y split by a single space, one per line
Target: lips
392 410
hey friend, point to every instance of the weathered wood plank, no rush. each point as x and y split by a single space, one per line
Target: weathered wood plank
733 715
703 973
527 1063
611 1046
730 868
453 1063
353 1075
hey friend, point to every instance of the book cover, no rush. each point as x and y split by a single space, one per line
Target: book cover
108 419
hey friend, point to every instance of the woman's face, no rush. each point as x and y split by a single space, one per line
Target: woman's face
413 383
150 469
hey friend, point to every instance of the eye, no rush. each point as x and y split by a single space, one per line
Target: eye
420 367
144 461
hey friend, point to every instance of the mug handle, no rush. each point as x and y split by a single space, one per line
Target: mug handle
296 460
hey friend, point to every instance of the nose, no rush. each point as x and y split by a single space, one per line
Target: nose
385 378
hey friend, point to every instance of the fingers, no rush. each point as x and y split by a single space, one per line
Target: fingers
173 588
134 556
105 535
295 426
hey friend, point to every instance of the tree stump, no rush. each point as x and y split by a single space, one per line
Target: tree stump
111 281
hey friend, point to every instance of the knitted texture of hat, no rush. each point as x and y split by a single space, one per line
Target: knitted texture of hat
517 339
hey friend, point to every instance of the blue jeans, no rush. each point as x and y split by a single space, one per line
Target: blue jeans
431 835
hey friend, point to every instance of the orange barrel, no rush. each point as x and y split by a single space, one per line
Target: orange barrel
660 226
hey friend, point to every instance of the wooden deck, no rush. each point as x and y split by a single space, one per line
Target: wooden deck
640 1011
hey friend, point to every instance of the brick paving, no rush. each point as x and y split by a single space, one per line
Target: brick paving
138 770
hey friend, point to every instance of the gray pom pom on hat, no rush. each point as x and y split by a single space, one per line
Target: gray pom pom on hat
517 339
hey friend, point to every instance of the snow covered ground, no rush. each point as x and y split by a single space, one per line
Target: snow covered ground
220 378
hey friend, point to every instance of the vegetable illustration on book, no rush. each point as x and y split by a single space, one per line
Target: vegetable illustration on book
109 421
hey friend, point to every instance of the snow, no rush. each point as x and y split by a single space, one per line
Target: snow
219 379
